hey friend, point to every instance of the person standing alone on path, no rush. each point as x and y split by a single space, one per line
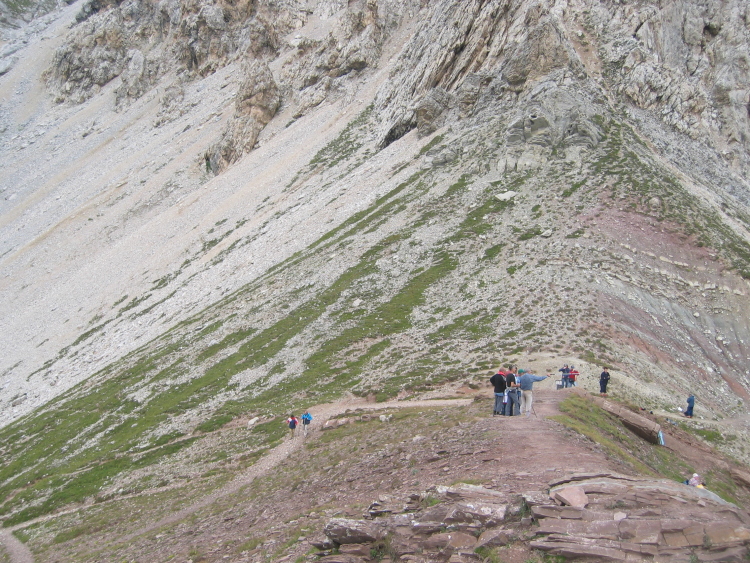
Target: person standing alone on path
306 420
498 382
691 404
526 383
603 381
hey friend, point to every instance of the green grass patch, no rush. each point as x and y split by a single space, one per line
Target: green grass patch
434 142
214 423
583 416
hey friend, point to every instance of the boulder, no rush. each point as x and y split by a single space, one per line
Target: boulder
455 540
639 425
345 531
342 558
742 478
358 549
580 548
571 496
555 511
495 537
482 513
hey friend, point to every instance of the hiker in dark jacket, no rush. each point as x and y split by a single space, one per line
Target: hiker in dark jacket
691 404
603 381
498 382
565 370
512 392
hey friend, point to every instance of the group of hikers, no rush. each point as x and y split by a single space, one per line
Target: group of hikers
569 376
514 391
293 422
514 387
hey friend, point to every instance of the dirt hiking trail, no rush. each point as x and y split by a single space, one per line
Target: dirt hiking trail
19 553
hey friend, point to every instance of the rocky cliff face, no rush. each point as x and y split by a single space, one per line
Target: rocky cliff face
247 205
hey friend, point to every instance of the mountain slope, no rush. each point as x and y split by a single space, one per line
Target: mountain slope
234 210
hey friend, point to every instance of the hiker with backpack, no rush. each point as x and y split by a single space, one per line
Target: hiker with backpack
511 392
306 420
603 381
292 423
498 382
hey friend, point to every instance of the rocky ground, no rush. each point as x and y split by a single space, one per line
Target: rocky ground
412 474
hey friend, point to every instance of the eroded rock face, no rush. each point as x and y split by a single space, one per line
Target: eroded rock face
626 517
256 103
140 41
688 62
604 517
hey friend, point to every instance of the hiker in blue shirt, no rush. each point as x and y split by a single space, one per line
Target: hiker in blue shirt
306 420
526 383
691 404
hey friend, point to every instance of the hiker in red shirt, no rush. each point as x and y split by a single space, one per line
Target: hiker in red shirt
574 373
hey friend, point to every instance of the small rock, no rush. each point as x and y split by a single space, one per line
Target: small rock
506 196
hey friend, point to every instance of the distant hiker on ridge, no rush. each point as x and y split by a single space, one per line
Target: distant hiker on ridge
573 376
511 391
565 370
603 381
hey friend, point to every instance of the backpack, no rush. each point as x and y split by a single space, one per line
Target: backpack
292 423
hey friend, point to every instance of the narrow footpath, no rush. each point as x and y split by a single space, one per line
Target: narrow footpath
19 553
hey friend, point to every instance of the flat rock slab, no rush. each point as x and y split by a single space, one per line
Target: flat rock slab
571 496
344 531
658 519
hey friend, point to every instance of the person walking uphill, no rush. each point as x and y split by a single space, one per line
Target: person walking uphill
526 383
498 382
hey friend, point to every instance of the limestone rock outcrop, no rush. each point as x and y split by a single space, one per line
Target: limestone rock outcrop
256 103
